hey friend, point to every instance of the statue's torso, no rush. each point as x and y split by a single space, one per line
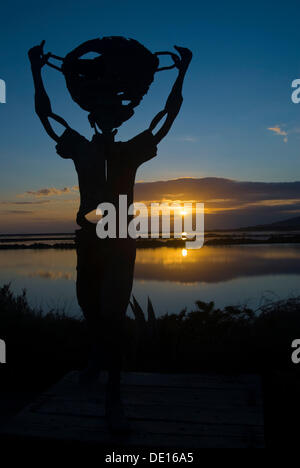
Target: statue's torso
105 171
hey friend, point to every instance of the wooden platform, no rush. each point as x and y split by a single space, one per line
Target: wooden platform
165 410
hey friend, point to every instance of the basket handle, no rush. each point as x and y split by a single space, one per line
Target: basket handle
174 57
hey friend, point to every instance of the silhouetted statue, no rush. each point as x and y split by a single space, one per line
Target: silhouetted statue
122 71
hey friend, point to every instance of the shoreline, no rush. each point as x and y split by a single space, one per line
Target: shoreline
158 243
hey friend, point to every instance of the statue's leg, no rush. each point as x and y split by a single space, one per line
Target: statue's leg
116 291
90 272
104 282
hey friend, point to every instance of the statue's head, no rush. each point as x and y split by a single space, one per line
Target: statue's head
112 83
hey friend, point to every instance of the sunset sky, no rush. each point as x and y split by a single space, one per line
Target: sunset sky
237 121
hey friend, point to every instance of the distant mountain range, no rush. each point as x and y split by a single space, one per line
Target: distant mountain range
290 224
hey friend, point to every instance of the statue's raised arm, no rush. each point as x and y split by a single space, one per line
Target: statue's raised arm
42 102
175 99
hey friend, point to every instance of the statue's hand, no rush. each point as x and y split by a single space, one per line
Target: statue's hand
37 57
183 62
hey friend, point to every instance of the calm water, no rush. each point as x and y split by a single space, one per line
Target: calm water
173 280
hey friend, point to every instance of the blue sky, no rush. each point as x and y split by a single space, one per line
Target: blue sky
238 85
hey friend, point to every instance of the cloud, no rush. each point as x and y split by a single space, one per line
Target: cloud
35 202
187 138
278 131
228 203
48 192
17 212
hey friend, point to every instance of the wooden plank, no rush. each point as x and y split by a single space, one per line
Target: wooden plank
189 380
161 412
240 391
179 411
171 380
198 398
143 433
